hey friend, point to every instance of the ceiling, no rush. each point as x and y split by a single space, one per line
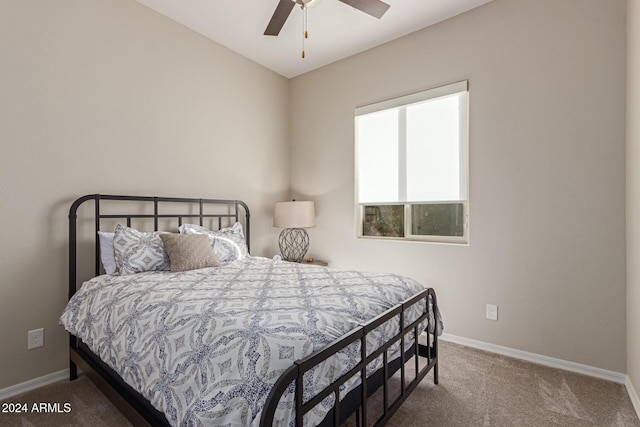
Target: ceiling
336 30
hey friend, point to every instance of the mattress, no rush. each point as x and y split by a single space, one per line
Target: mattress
206 346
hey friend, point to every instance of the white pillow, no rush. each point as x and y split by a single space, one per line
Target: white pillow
137 251
107 252
228 243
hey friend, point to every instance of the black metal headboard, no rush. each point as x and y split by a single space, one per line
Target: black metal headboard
194 209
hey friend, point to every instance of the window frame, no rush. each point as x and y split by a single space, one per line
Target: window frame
404 101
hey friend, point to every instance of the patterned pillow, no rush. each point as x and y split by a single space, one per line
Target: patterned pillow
228 243
137 251
106 252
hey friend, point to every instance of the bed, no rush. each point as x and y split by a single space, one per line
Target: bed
251 341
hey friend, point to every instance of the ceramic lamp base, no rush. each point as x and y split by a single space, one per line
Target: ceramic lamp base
294 243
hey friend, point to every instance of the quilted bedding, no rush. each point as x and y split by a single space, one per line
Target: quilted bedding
206 346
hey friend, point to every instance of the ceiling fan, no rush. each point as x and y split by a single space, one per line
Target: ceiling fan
375 8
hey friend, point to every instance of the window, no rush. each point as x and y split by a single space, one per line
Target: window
411 166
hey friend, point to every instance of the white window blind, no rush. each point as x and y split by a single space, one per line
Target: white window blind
412 151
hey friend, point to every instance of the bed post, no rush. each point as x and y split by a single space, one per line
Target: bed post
247 228
73 369
73 237
434 348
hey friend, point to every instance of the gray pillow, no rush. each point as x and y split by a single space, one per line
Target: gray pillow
189 251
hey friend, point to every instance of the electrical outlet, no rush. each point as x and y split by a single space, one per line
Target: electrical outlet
492 312
35 338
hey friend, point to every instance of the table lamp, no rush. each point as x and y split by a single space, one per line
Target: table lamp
294 217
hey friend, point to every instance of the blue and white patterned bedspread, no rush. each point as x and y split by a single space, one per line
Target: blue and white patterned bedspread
206 346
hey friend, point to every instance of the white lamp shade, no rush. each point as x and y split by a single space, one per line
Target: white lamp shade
294 214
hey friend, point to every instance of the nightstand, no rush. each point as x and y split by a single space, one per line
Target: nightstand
315 262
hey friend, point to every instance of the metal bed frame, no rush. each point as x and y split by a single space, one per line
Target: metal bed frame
140 412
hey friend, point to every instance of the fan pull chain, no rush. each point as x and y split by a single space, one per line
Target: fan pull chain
304 28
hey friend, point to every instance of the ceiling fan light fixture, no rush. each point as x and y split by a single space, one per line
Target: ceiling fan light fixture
375 8
306 3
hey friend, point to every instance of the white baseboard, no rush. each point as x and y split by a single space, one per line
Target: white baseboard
633 395
539 359
33 384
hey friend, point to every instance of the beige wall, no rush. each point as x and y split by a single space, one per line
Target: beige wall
633 194
110 97
91 86
547 180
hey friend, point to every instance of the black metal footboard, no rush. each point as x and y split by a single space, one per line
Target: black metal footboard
429 352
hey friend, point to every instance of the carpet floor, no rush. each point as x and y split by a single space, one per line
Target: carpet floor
476 389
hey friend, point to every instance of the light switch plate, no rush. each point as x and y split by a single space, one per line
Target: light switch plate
35 338
492 312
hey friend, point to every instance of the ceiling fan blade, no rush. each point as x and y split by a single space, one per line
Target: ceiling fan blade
283 10
375 8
